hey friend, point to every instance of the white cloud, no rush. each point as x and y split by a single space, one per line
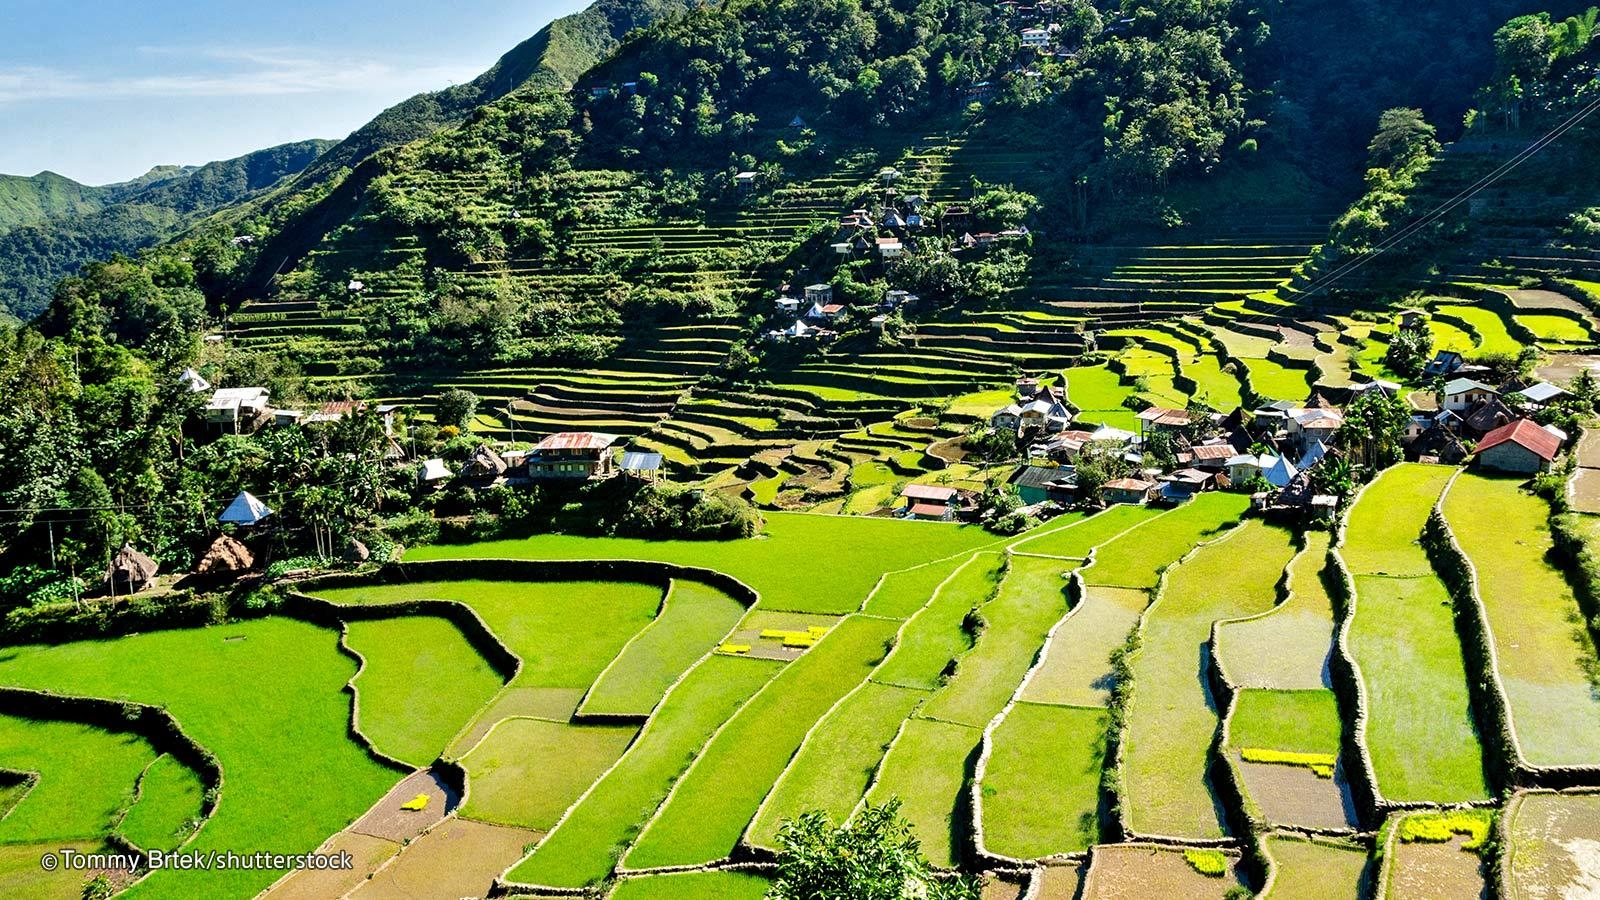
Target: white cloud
234 72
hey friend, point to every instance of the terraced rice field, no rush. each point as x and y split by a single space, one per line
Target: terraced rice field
971 676
1420 729
1546 657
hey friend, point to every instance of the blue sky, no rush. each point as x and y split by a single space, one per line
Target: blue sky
101 90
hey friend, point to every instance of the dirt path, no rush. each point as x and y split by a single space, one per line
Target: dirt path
374 839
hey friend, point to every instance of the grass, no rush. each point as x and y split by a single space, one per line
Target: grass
582 849
1559 329
1382 533
566 632
170 794
717 798
1420 731
1136 558
1078 539
1543 650
422 683
694 886
1449 337
1419 728
1292 721
1492 334
927 769
232 689
935 636
1077 668
86 778
1032 598
526 772
1278 382
1214 387
858 551
1288 647
834 766
1042 784
1171 718
903 593
1314 869
695 617
981 404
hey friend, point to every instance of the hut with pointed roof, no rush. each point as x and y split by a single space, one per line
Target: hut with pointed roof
225 556
130 571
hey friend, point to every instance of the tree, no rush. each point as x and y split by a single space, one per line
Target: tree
1403 135
456 407
874 856
1374 425
1409 350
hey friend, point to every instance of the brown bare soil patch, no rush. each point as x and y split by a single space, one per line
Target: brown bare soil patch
368 853
1554 847
1563 367
1294 795
1421 871
1142 872
999 888
388 821
460 858
1060 882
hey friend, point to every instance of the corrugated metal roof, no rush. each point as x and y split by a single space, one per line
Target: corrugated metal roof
637 461
576 440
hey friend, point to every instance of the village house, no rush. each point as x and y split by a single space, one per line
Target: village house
896 299
640 464
1185 483
1035 38
1157 419
572 455
1314 424
1044 411
788 305
826 312
1521 447
1126 490
333 411
1445 362
930 502
1211 457
1487 416
890 248
1412 318
1462 394
484 465
1243 467
236 409
1027 387
745 180
1037 484
130 571
434 472
1383 388
819 294
1063 447
1007 418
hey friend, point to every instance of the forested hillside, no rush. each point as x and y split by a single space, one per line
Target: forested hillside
122 218
552 59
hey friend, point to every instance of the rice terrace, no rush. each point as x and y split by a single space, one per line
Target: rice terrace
802 450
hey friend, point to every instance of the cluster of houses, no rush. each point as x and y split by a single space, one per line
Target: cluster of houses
814 315
568 456
1274 448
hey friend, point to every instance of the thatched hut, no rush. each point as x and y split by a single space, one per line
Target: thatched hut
485 463
226 556
130 571
356 552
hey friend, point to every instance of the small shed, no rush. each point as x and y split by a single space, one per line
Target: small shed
641 464
356 552
1126 490
225 556
130 571
434 471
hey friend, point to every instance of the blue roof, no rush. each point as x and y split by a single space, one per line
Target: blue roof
636 461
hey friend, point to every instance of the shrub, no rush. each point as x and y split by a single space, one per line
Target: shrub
1439 827
1320 763
659 511
1210 863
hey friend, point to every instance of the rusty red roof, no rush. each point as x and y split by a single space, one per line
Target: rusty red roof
928 492
576 440
1525 433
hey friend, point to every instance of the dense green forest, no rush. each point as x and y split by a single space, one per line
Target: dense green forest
128 217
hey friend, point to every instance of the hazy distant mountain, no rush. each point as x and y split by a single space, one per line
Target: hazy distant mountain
51 225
